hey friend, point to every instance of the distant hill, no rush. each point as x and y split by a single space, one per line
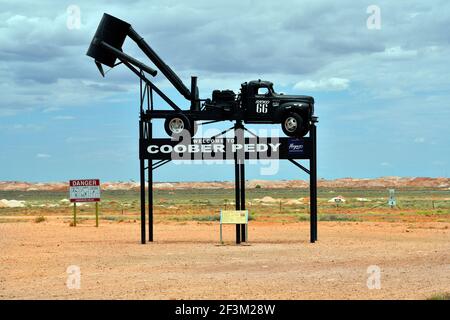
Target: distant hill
357 183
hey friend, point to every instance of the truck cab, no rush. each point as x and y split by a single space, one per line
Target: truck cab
257 98
261 104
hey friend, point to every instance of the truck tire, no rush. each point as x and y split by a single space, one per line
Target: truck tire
304 131
175 124
292 124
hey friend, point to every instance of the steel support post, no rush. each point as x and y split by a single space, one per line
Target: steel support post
313 185
237 185
150 187
142 178
242 189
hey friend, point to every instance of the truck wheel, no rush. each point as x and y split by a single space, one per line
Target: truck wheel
176 124
303 132
292 124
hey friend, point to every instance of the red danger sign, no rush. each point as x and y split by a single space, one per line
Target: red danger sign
84 183
86 190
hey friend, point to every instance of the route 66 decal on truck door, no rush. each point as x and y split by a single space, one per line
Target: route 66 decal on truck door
262 106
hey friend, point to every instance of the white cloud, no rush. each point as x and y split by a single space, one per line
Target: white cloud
419 140
330 84
406 60
396 52
51 109
43 155
64 118
385 164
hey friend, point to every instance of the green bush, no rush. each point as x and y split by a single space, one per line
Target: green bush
336 217
206 218
440 296
39 219
303 217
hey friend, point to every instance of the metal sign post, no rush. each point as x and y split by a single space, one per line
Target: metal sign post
74 214
96 214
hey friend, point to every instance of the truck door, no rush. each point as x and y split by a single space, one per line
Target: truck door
259 107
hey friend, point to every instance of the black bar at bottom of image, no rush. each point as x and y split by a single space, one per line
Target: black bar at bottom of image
226 309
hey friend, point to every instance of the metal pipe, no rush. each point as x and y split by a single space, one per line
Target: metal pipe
165 69
128 58
195 104
152 86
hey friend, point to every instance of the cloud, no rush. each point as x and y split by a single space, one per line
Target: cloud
330 84
322 47
64 118
419 140
51 109
396 53
22 128
43 156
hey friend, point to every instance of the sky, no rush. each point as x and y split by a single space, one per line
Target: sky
378 70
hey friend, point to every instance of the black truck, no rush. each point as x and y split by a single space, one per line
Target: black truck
257 102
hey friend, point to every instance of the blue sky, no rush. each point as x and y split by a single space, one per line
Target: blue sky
382 95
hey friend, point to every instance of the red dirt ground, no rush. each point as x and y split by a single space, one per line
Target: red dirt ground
186 261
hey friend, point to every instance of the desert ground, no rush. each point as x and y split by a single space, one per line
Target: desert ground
409 243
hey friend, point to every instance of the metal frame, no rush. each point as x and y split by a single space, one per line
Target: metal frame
106 48
147 113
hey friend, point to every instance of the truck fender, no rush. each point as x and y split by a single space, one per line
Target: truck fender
288 107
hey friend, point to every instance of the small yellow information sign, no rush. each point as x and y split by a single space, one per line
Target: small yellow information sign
233 216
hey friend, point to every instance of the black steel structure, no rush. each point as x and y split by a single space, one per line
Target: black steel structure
158 158
295 113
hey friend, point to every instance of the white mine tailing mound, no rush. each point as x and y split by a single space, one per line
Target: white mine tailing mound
11 203
383 182
337 199
268 199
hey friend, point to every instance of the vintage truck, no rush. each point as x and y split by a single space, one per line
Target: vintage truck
257 102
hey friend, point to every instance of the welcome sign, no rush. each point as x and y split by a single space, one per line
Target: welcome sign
227 148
